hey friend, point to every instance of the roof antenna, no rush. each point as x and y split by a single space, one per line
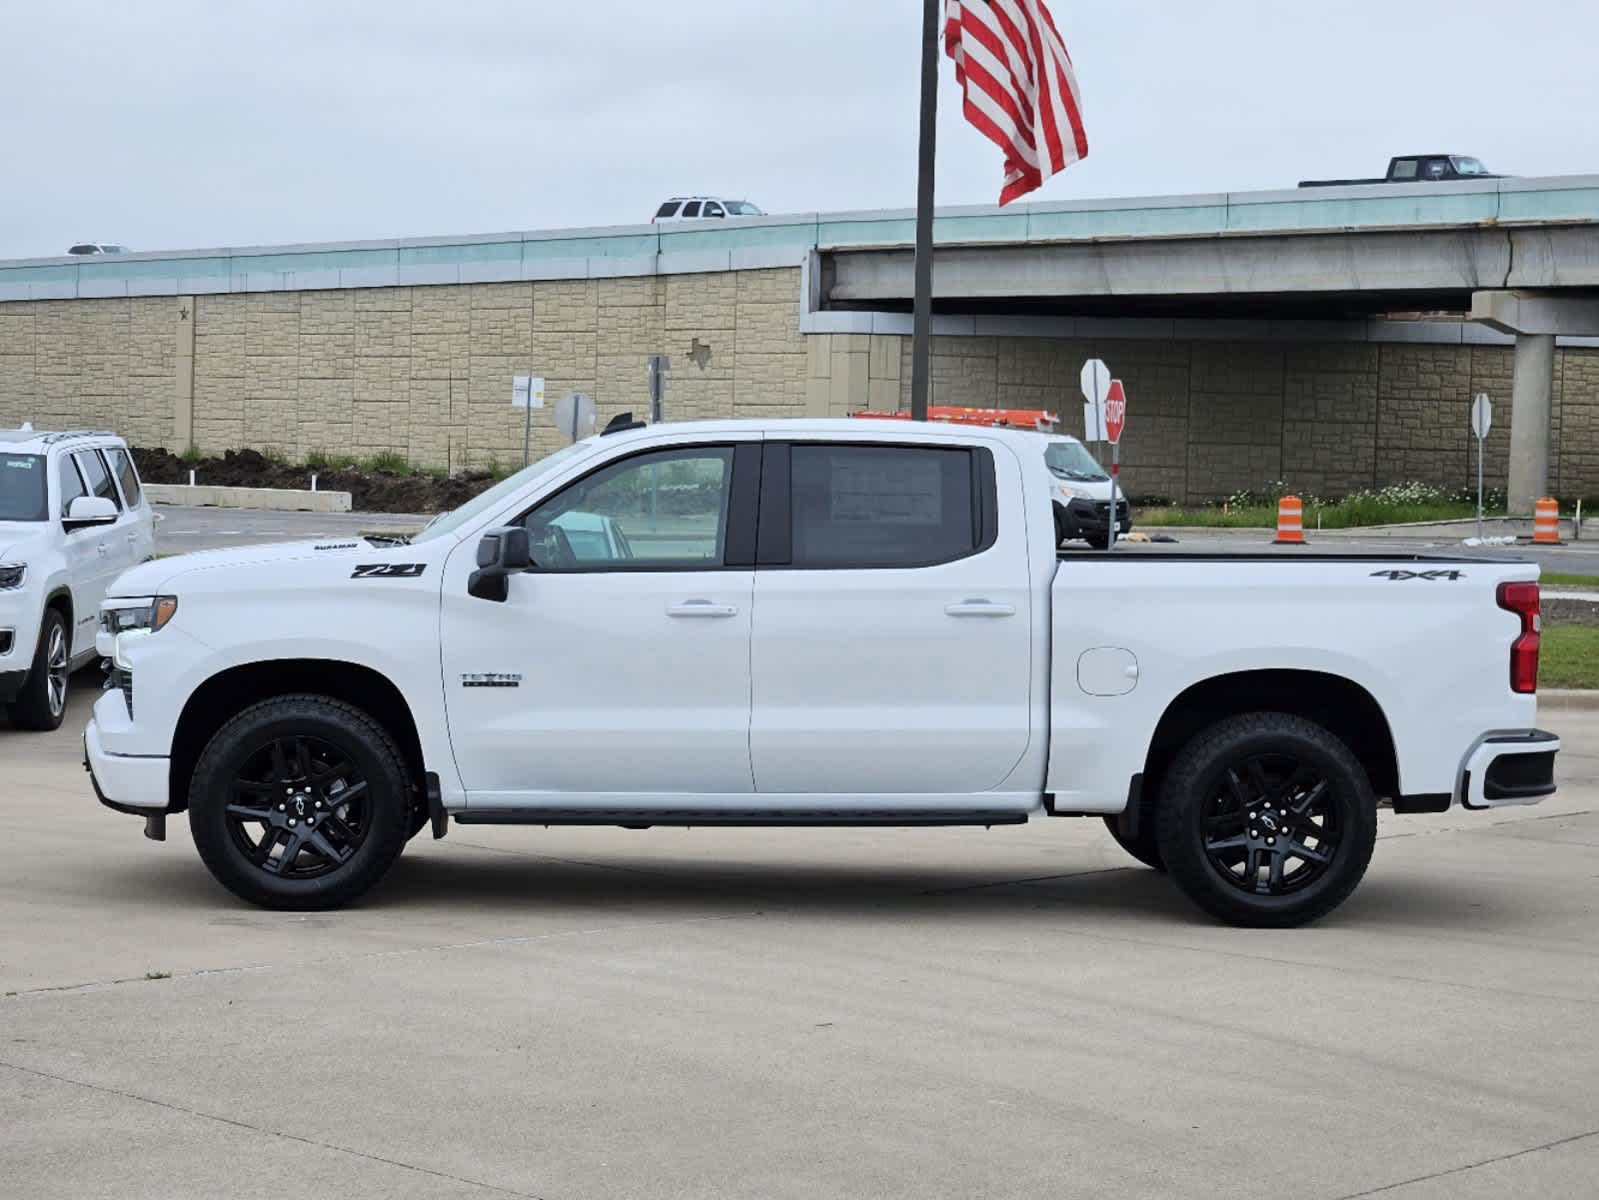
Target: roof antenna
621 423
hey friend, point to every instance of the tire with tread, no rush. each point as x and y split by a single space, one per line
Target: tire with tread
1193 778
344 725
32 709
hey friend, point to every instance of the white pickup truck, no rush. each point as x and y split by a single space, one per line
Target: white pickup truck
809 623
72 518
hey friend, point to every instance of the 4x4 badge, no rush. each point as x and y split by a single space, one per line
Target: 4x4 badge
1437 574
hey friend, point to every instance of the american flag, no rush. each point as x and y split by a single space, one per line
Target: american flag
1018 87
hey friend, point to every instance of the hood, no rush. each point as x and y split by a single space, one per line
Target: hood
152 578
14 536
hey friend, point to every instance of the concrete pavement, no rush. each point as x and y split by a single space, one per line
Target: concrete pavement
793 1013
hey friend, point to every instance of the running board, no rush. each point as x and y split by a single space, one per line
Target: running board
634 818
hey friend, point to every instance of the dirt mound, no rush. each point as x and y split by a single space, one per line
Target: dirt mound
370 491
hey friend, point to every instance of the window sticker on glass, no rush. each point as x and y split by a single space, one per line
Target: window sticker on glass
897 489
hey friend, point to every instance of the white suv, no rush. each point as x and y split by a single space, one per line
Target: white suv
72 518
698 208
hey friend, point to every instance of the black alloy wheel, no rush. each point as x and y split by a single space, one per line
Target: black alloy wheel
1271 824
299 807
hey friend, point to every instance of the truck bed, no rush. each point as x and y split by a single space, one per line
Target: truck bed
1422 635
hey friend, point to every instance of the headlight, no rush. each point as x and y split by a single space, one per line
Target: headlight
1064 493
12 575
147 613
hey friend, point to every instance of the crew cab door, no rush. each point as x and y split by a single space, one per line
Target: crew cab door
891 649
619 666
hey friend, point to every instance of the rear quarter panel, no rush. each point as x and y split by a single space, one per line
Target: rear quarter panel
1433 652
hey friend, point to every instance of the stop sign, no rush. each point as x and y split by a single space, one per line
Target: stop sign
1115 411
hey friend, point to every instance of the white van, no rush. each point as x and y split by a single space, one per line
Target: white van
1080 489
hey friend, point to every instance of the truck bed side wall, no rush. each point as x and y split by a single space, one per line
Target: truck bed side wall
1434 654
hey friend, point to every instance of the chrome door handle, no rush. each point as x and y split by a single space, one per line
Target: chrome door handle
979 608
701 608
102 550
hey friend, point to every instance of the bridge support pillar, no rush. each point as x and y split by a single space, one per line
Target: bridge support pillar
1536 319
1531 399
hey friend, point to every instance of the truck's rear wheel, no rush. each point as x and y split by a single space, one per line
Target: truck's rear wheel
42 703
300 802
1266 819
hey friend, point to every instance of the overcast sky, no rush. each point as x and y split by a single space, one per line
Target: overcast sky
167 125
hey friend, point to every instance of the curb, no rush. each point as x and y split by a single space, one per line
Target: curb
1569 699
275 499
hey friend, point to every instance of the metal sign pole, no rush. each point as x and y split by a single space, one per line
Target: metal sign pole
1115 478
1481 421
1479 489
922 302
527 427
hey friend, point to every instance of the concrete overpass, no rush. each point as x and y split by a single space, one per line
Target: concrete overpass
1483 262
1520 256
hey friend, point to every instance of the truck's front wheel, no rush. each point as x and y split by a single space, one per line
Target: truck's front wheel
1266 819
300 802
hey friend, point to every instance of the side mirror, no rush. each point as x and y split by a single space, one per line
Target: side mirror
500 554
89 510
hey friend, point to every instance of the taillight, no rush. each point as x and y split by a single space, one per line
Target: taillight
1522 599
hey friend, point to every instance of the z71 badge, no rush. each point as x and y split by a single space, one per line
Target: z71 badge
388 570
1437 574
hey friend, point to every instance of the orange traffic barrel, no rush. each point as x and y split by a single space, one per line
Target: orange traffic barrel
1290 522
1546 521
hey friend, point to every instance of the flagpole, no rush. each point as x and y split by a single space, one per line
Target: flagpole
922 309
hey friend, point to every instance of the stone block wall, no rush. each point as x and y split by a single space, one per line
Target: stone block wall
1209 418
425 372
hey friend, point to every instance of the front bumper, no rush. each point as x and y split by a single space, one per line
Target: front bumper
126 782
1081 517
1507 767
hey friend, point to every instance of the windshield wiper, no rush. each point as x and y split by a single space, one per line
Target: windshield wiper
388 539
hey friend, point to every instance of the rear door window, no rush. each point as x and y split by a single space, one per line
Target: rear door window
71 483
691 209
127 476
96 476
865 506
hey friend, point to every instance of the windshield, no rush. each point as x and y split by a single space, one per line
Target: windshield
743 208
1468 166
481 503
1071 460
22 487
